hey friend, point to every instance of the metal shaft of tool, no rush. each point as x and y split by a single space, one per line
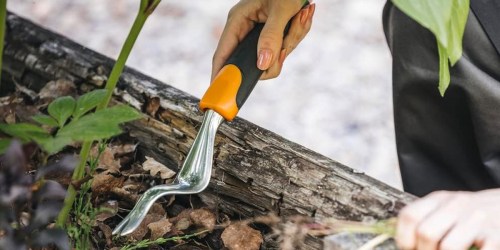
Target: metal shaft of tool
193 177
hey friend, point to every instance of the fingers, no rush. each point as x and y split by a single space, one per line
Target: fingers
491 243
451 221
300 26
271 49
411 216
239 23
463 235
271 37
438 223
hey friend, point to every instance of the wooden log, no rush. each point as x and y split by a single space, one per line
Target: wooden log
255 171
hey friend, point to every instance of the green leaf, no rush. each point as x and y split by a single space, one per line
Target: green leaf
446 19
24 131
4 144
459 15
444 70
88 102
433 15
53 145
45 120
61 109
99 125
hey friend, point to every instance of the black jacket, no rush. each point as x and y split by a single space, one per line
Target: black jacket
450 143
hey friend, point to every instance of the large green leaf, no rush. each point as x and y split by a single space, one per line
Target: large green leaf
459 15
88 102
45 120
446 19
444 70
28 132
99 125
61 109
51 144
24 131
433 15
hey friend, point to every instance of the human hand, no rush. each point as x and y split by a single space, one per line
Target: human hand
451 220
272 49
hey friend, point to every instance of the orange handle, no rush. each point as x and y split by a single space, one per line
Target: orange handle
221 95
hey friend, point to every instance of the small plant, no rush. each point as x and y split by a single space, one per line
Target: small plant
84 213
29 204
147 243
145 10
70 121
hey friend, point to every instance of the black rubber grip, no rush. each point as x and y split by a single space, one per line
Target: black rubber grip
245 58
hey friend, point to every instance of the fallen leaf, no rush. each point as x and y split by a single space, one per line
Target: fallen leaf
106 230
142 229
182 221
107 160
125 195
107 210
57 88
239 236
159 228
10 118
104 182
155 167
183 224
131 199
203 217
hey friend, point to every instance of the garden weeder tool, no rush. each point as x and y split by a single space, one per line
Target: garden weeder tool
222 101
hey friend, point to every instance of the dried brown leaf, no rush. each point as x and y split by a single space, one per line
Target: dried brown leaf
107 231
203 217
142 230
183 224
108 210
239 236
57 88
159 228
104 182
107 160
10 118
155 167
125 195
182 221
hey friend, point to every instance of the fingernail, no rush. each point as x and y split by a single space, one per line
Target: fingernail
311 12
282 56
265 57
303 15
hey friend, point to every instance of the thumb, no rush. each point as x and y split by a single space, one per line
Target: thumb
271 37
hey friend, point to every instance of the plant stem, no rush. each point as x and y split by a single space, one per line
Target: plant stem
147 243
122 58
3 15
146 8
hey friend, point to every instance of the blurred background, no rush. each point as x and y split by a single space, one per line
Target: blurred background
333 96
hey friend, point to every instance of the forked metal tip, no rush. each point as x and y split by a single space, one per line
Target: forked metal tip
193 177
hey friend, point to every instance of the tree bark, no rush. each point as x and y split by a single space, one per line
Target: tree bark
255 171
